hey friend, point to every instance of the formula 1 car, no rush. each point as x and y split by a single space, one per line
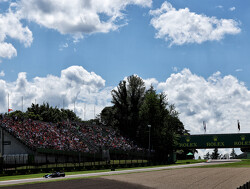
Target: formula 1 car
54 175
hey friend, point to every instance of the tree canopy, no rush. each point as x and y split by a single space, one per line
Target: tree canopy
47 113
135 108
127 100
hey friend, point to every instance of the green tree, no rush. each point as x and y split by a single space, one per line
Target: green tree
215 154
107 116
233 154
47 113
18 114
165 124
134 109
207 156
127 100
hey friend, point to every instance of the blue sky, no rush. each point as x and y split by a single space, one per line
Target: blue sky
134 49
197 52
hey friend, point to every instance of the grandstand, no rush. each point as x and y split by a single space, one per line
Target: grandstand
55 142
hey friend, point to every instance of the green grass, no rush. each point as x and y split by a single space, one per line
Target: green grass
242 163
16 177
39 175
191 161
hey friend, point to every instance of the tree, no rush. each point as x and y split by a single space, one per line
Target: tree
18 114
207 156
233 154
127 100
165 126
107 116
134 109
47 113
215 154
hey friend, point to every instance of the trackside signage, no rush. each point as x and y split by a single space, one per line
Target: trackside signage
240 140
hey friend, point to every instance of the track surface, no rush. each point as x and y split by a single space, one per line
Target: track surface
167 178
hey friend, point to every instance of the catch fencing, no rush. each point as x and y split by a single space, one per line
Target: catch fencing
27 164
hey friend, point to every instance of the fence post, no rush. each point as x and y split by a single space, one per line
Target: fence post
79 158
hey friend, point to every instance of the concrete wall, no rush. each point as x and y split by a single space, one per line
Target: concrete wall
10 145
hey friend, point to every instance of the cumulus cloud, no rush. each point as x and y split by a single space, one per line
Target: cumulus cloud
11 26
79 16
74 86
220 101
149 82
183 26
3 95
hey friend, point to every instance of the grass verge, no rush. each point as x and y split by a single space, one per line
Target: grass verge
242 163
17 177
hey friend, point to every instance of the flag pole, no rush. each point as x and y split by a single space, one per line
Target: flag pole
8 103
22 103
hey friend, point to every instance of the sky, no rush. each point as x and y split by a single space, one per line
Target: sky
71 54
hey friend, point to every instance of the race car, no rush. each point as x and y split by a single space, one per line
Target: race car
54 175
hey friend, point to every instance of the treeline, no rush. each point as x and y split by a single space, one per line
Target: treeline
216 155
144 116
46 113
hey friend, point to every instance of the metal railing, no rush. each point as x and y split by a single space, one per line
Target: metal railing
26 164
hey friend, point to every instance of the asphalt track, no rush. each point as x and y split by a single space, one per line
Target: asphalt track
165 177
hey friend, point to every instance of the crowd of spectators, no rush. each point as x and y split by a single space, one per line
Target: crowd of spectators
65 136
107 138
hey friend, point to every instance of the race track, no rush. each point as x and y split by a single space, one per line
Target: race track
165 178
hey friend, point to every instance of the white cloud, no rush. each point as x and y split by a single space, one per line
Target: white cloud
219 6
220 101
239 70
232 9
3 95
74 84
63 46
182 26
78 17
2 74
149 82
10 26
7 50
